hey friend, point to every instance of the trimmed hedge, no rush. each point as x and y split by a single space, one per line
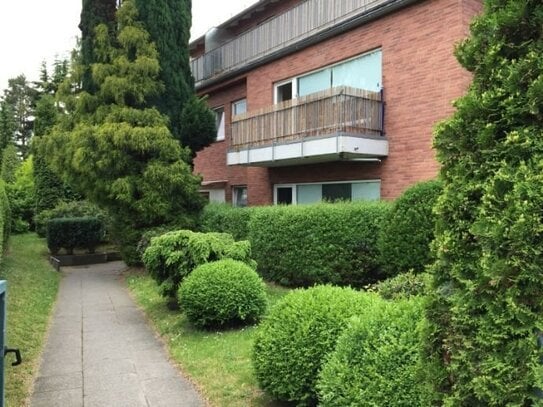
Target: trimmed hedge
172 256
297 335
407 231
222 293
377 360
72 209
225 218
322 243
404 285
72 233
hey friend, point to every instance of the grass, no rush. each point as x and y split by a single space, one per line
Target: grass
32 289
218 362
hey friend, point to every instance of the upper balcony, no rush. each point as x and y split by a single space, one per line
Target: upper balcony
341 123
303 25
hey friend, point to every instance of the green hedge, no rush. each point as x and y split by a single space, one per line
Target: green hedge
221 294
407 231
172 256
377 360
74 233
5 217
72 209
225 218
313 244
297 335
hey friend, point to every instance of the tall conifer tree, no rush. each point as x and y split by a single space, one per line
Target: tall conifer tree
93 13
168 23
486 308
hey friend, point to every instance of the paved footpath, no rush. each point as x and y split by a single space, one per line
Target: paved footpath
100 351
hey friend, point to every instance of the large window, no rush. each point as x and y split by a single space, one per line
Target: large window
219 123
287 194
363 72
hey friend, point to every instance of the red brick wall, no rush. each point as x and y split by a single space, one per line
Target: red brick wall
421 78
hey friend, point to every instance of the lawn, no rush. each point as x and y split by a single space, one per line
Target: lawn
32 289
219 363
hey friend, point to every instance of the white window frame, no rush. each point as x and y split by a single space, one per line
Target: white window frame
295 79
221 128
295 191
276 194
236 103
276 85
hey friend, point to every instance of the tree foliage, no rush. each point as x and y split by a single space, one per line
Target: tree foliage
10 164
21 97
190 121
94 13
114 149
486 306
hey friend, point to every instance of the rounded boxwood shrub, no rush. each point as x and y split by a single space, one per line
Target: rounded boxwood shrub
377 360
222 293
408 229
298 334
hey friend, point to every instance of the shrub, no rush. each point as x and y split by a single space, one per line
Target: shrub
225 218
377 360
172 256
73 209
407 231
298 334
5 217
146 237
72 233
403 285
21 197
322 243
222 293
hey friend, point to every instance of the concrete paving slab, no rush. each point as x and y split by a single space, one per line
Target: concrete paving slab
101 352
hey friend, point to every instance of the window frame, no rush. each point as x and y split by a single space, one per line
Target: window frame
235 202
220 124
294 187
235 103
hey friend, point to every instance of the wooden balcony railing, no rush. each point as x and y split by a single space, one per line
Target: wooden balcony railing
307 19
342 109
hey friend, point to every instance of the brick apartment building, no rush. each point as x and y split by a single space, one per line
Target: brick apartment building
328 99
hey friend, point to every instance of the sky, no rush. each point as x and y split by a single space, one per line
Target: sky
32 31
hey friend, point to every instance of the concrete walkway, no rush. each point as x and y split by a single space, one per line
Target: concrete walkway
101 352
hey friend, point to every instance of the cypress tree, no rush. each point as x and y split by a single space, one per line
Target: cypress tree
49 189
486 308
93 13
168 23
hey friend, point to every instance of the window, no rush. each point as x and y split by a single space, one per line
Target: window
219 123
239 107
363 72
287 194
239 196
285 91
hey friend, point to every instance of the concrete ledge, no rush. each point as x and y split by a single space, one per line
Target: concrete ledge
58 261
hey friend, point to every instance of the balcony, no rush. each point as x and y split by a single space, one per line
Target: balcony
307 23
341 123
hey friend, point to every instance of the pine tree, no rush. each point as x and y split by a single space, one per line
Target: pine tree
169 22
119 153
487 304
93 13
20 96
7 124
